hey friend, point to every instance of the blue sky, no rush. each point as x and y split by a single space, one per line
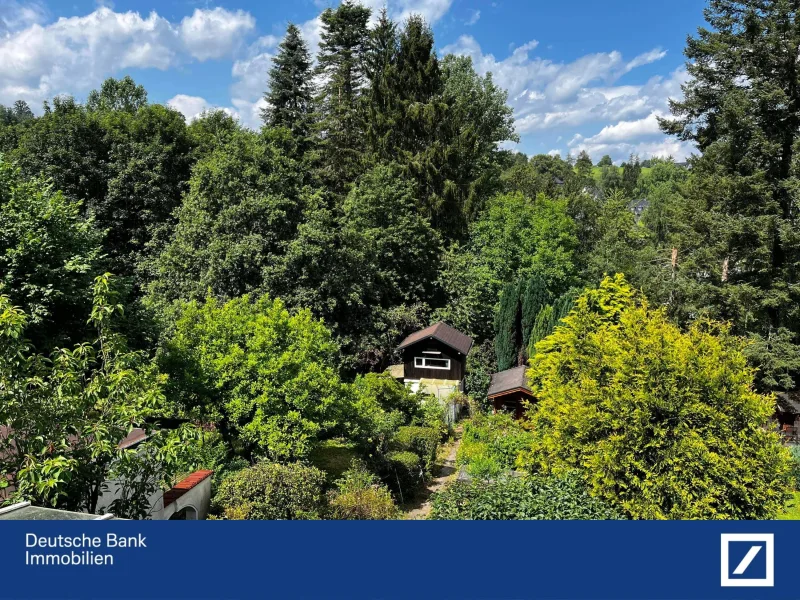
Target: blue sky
580 75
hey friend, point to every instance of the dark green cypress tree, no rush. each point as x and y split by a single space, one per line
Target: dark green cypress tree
382 106
290 95
508 335
549 317
534 298
341 66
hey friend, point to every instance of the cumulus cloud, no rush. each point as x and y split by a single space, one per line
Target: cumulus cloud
15 15
193 106
74 54
215 33
548 95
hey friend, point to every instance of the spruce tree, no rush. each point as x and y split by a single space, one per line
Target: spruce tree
419 84
739 259
382 106
341 66
290 95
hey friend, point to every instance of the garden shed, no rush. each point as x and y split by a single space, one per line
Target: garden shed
509 390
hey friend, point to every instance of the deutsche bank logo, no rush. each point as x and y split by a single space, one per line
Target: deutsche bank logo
748 559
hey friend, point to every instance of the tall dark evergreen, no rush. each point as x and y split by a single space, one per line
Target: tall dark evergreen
382 101
341 65
290 95
740 255
508 326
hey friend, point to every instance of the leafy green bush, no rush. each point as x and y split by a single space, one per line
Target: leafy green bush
422 441
491 444
380 404
432 414
266 375
507 498
404 473
272 491
664 424
361 496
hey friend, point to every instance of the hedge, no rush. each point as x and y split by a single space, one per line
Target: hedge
269 491
510 498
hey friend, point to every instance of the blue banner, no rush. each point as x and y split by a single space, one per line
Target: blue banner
409 560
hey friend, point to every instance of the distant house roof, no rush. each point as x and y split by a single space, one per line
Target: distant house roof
136 435
509 381
442 332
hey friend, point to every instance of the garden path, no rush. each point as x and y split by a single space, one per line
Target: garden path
445 471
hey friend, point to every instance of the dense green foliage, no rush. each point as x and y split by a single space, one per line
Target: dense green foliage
663 423
491 444
48 258
264 375
513 498
64 416
264 280
272 491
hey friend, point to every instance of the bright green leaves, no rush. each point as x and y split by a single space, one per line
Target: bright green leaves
662 423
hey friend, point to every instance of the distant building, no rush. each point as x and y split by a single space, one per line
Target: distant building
509 390
434 360
637 207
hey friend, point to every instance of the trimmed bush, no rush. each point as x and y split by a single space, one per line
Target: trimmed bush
422 441
361 496
269 491
404 473
510 498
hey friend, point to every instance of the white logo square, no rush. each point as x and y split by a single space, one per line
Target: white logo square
768 542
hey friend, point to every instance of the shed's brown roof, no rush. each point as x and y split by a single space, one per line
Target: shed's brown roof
505 381
442 332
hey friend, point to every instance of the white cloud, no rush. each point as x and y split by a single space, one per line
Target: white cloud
215 33
74 54
431 10
646 58
15 15
627 130
192 106
476 15
546 95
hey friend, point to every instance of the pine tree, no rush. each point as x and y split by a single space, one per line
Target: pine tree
290 95
341 65
382 106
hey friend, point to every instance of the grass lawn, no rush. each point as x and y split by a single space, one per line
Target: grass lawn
792 510
333 457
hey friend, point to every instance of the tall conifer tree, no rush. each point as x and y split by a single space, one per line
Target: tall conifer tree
740 255
290 95
382 106
341 65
